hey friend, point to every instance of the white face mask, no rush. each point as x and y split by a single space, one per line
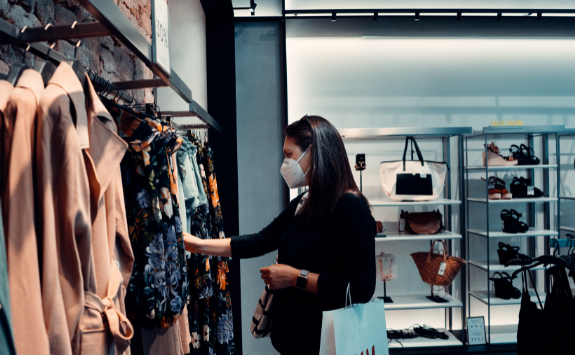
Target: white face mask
292 172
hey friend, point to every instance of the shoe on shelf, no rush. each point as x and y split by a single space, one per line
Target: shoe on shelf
430 333
524 155
510 222
494 157
504 286
497 190
507 252
522 188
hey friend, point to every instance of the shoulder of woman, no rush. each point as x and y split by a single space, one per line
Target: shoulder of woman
351 200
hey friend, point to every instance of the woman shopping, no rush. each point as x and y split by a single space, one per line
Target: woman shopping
324 238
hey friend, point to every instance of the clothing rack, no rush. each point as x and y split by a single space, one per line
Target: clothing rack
195 111
111 22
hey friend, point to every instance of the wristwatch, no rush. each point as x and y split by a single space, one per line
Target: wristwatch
302 280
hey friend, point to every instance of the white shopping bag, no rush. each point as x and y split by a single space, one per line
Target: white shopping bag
357 329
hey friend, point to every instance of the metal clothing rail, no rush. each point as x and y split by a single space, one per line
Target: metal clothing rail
195 111
455 11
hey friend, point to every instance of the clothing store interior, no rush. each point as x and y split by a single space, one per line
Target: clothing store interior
155 198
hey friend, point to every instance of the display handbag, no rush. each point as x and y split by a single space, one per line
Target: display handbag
357 329
429 265
421 222
415 180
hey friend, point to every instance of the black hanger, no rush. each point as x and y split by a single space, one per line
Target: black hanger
541 260
45 67
17 69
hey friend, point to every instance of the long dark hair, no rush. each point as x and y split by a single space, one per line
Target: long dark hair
329 175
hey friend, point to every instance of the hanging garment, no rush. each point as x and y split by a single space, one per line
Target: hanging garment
26 294
64 206
189 183
6 334
201 313
5 91
223 304
158 285
112 253
547 330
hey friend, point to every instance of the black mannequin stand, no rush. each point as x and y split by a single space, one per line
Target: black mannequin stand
385 298
436 299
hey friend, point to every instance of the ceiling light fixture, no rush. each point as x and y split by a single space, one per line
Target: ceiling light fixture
333 17
375 14
499 16
416 16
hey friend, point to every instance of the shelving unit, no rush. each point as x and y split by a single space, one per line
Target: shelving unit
570 133
483 261
446 202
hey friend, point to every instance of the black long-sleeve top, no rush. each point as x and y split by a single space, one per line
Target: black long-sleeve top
341 249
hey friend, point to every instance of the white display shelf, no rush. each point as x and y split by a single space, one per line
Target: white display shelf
421 342
567 197
514 167
496 301
405 237
568 229
495 266
514 200
418 301
389 203
504 334
501 234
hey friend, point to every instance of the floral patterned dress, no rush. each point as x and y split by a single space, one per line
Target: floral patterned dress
158 285
209 310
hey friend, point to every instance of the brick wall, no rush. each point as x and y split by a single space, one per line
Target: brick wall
104 55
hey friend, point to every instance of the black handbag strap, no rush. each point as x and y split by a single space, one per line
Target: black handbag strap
419 156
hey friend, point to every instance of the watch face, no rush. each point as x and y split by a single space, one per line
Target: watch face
301 282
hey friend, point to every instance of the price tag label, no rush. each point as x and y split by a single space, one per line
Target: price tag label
442 267
502 224
530 190
423 173
402 224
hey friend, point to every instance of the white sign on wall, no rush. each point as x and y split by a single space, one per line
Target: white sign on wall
161 35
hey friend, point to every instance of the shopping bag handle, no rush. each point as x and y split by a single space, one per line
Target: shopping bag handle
419 156
348 295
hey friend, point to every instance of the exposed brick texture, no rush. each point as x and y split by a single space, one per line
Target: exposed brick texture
106 55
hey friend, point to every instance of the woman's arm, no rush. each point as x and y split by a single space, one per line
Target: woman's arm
245 246
281 276
217 247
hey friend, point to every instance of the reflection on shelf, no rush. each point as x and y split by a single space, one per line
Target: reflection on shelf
495 266
501 234
514 200
395 236
496 301
438 201
424 342
418 301
514 167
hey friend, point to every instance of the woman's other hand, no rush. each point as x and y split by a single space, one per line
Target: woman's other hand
278 277
192 243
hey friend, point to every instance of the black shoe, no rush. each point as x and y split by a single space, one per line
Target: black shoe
504 288
520 188
509 224
524 155
507 252
430 333
522 226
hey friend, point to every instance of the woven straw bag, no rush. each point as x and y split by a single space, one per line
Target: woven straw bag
428 266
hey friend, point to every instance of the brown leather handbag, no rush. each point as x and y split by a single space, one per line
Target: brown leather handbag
428 264
423 222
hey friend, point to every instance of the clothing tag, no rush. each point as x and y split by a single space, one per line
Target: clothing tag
402 224
442 267
502 224
530 190
423 173
491 186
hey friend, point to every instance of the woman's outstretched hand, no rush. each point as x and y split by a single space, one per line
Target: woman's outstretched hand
280 276
192 243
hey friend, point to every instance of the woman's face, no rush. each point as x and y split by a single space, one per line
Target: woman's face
293 151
